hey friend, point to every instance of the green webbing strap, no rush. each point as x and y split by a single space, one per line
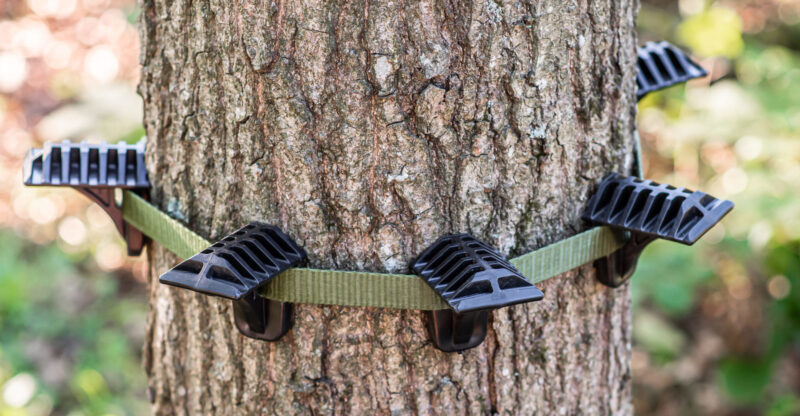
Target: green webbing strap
338 287
565 255
382 290
160 227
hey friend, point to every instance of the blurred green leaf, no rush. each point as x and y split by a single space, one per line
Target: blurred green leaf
786 405
784 259
657 335
744 379
714 32
669 274
737 138
133 136
59 315
90 382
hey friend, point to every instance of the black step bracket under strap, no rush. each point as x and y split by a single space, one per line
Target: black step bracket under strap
235 268
95 170
661 65
473 278
648 210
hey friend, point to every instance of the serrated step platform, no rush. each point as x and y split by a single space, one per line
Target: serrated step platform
654 209
470 275
119 165
238 264
661 65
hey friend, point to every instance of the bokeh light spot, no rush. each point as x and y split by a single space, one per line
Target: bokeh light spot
32 35
109 256
53 8
779 286
759 234
19 390
89 31
101 64
72 230
14 71
58 55
15 141
42 210
734 180
749 147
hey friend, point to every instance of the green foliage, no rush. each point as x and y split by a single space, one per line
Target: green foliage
686 270
134 136
737 138
786 405
770 73
784 260
664 341
716 31
745 380
70 330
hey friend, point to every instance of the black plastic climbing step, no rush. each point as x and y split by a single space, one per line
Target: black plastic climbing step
649 210
661 65
118 165
235 268
94 170
473 278
470 275
239 263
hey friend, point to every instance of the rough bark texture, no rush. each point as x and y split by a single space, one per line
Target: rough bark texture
365 130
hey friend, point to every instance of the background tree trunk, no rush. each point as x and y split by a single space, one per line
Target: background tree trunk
365 130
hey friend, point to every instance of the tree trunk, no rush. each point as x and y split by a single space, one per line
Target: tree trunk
365 130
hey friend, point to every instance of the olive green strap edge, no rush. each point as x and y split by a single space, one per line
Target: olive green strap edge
383 290
637 144
160 227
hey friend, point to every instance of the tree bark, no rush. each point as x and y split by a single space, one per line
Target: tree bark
365 130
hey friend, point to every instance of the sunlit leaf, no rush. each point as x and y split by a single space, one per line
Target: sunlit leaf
714 32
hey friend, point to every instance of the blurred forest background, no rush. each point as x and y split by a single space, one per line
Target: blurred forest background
716 326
